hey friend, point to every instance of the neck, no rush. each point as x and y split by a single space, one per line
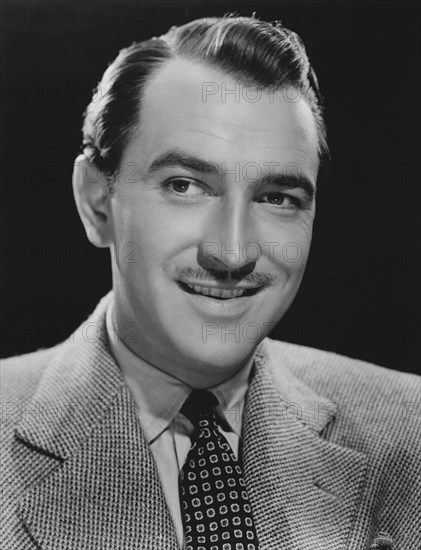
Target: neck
192 371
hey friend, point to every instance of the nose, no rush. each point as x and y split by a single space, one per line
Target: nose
227 243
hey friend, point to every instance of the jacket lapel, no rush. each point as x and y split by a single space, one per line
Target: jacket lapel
303 489
101 488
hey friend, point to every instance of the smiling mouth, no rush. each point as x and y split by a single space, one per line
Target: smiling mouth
218 293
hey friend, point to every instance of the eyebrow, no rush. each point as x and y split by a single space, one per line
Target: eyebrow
176 157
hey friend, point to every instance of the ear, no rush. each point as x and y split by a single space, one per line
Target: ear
93 202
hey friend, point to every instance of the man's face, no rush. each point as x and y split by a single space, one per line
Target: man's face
219 225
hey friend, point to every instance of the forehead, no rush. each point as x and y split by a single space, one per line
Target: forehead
209 112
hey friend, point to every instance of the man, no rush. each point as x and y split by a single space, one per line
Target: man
202 151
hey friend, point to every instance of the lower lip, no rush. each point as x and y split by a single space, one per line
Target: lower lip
227 307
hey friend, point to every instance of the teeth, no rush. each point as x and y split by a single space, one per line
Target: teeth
217 292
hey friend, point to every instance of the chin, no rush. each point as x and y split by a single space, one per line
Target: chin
228 355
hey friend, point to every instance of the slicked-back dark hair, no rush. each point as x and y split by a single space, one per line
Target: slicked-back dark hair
266 55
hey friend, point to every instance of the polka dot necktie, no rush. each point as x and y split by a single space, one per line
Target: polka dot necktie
215 505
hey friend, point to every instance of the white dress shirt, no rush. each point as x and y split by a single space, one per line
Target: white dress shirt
159 398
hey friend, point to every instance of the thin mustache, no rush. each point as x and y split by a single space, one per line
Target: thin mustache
257 279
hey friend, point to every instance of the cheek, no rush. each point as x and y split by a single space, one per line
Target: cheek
294 255
290 247
154 233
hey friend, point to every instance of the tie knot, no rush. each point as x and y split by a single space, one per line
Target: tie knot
200 405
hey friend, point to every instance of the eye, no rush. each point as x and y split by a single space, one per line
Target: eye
185 187
282 200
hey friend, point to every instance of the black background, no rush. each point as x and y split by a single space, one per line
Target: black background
360 295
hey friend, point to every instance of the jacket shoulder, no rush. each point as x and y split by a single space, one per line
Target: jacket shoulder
361 389
20 375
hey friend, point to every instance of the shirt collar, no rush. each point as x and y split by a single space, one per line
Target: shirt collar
160 396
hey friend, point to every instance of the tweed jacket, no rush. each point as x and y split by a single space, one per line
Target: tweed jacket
331 452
